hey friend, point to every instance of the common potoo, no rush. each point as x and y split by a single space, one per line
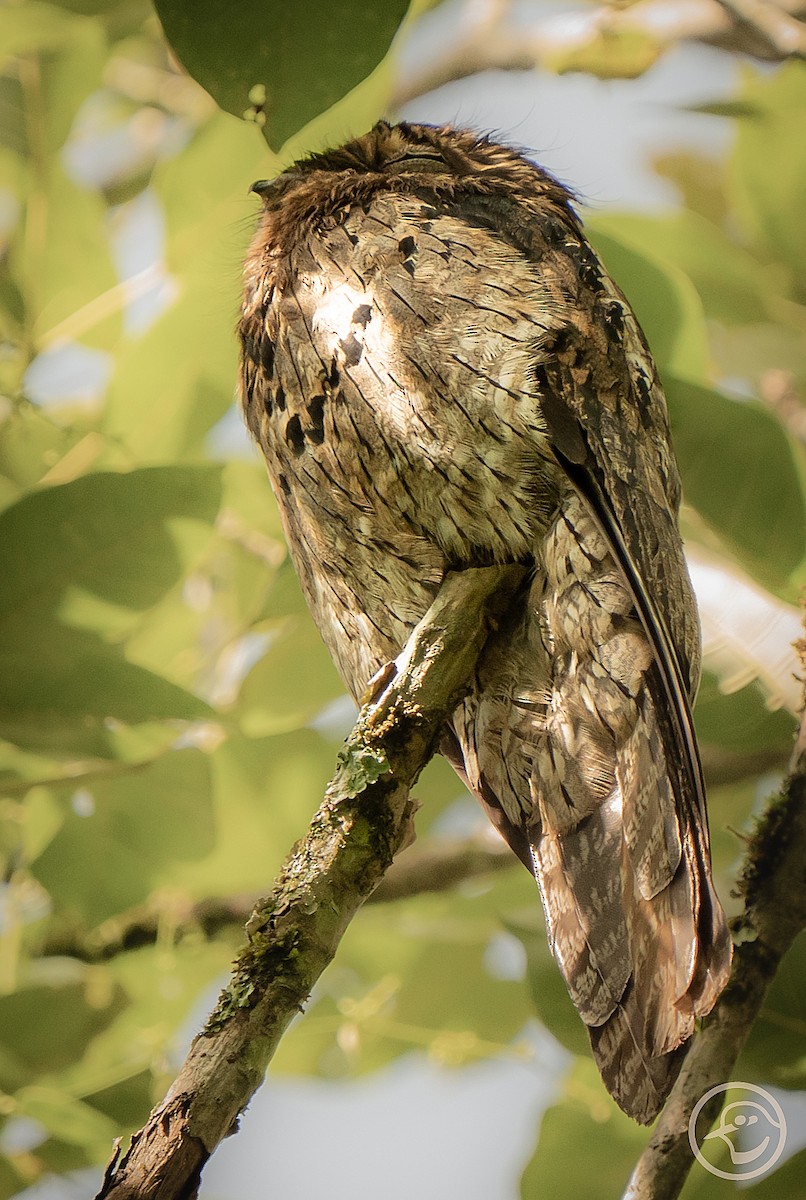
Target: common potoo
441 375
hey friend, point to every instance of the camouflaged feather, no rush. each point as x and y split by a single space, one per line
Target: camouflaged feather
441 374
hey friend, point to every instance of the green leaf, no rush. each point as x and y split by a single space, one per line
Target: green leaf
68 1119
204 194
30 28
609 54
81 562
174 383
770 201
731 283
586 1146
664 299
67 265
741 721
72 701
64 1024
549 994
264 794
70 76
740 474
248 56
775 1052
414 975
276 696
142 826
122 538
30 445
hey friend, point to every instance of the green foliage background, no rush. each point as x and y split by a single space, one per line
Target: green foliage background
158 672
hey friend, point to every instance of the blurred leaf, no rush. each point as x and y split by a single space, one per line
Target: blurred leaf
264 792
747 352
80 561
204 194
64 263
123 538
732 285
64 1024
66 1118
32 27
770 201
586 1146
609 54
740 474
128 1065
69 77
549 994
740 721
415 975
252 59
125 1101
141 826
30 445
775 1052
276 696
71 702
173 383
726 108
700 179
664 299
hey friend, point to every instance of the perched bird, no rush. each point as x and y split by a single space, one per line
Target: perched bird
441 375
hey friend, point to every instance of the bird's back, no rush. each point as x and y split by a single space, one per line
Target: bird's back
441 375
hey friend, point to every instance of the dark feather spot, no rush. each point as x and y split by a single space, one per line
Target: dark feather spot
642 386
352 350
333 377
362 315
249 347
248 382
407 246
587 264
614 317
564 428
267 354
285 486
279 399
316 412
294 435
643 392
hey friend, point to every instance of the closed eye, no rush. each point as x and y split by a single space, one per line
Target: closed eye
433 163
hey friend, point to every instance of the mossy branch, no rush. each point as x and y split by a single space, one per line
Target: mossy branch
293 934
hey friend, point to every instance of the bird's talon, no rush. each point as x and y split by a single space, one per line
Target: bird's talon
378 684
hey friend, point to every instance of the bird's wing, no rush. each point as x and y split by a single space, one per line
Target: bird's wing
645 956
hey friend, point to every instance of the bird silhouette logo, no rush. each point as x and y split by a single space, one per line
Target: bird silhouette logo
752 1128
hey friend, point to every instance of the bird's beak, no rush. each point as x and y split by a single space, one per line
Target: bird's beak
723 1129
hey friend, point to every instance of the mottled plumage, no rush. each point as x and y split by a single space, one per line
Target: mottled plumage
440 375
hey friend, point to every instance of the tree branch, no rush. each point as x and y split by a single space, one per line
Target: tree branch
766 29
293 934
431 866
773 883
